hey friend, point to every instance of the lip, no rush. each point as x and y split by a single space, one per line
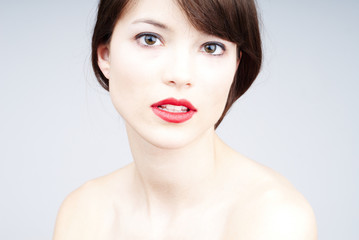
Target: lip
174 117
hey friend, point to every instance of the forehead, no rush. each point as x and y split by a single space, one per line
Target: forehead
166 12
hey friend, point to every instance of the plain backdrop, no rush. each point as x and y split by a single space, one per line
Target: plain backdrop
58 128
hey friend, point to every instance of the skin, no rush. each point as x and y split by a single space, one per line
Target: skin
184 182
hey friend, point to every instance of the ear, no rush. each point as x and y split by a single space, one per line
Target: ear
103 59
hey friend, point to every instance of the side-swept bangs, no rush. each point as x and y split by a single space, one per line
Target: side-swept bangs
232 20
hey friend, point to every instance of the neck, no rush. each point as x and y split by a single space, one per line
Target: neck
174 179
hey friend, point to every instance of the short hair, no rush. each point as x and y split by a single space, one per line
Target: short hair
232 20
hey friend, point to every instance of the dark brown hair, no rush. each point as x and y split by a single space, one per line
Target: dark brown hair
232 20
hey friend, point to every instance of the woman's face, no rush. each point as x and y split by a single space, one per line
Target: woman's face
155 54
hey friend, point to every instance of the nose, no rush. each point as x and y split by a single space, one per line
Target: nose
178 70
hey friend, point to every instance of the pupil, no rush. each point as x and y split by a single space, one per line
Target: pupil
150 40
210 48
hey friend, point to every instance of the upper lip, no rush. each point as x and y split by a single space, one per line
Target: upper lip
175 102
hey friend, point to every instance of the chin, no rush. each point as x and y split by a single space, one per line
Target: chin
169 136
172 139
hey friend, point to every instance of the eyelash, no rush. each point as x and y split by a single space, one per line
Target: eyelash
140 38
216 44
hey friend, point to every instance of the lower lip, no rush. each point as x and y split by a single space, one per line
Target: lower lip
173 117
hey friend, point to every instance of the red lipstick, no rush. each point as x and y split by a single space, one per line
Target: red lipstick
173 110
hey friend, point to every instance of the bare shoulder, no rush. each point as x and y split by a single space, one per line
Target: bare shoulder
84 210
272 209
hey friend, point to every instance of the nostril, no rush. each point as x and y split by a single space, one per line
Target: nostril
178 83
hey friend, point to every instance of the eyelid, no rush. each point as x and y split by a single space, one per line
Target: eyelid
142 34
221 45
216 43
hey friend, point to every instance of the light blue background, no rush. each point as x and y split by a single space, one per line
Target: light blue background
58 129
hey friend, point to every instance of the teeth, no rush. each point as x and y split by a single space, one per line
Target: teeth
173 108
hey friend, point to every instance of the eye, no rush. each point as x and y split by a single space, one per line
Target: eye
213 48
148 39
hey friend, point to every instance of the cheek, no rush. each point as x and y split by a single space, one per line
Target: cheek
131 70
217 83
127 84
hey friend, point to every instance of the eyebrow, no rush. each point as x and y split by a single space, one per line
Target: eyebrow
152 22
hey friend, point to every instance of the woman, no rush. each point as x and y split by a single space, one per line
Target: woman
173 69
